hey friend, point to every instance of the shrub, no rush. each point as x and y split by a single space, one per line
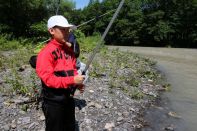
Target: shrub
6 43
87 44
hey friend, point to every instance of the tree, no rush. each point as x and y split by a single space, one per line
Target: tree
27 18
18 16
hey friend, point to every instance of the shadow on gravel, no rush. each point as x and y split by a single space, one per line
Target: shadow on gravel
80 103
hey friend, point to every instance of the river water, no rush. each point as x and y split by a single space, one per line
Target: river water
180 69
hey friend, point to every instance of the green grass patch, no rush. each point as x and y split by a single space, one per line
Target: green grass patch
13 44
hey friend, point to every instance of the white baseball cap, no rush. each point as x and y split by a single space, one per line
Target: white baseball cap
58 20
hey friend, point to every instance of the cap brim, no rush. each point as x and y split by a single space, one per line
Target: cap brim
73 27
65 25
69 26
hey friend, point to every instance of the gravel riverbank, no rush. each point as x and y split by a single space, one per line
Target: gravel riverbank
120 87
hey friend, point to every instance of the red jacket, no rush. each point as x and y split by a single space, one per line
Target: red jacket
56 65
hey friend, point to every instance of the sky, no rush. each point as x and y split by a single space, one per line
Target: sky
81 3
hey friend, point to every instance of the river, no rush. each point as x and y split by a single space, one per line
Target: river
180 68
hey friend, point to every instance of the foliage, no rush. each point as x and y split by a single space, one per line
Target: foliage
18 16
7 44
140 22
150 22
12 63
17 83
87 44
38 31
27 18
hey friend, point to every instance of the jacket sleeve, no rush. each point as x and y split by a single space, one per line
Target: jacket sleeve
45 70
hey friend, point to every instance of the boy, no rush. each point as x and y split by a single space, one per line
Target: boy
56 67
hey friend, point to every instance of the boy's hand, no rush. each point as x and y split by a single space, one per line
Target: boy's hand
81 88
68 44
78 79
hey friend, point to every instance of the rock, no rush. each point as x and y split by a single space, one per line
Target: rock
106 112
119 114
6 127
88 121
83 110
108 105
87 128
28 110
150 81
31 125
169 128
42 117
100 89
24 120
17 101
138 126
2 81
21 100
160 88
22 68
125 114
22 112
130 121
42 129
98 106
1 105
151 93
91 91
132 109
25 98
7 103
109 126
120 119
174 114
13 125
91 104
102 100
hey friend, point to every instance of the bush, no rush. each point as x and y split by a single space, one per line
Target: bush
87 44
6 43
39 31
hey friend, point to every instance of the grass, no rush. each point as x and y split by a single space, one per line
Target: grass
15 55
6 43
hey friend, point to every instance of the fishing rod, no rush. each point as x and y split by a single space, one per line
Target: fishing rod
84 23
58 6
95 18
96 49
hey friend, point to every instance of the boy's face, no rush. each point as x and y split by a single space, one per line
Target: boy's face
60 34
